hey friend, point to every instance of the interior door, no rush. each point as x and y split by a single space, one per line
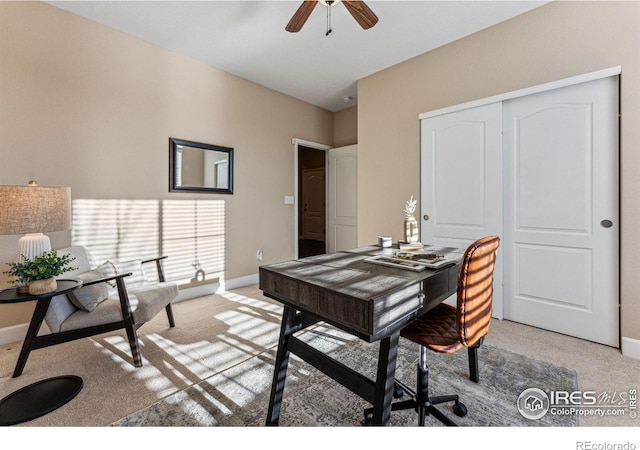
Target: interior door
461 181
313 204
561 210
343 198
222 175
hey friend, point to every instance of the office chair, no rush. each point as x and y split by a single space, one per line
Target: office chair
447 329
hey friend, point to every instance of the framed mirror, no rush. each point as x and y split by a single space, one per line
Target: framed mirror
197 167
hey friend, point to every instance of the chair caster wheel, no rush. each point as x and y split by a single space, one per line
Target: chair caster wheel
398 392
368 417
459 409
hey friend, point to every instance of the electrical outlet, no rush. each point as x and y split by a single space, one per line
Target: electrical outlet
259 254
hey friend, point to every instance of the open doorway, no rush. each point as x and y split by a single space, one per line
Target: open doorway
312 204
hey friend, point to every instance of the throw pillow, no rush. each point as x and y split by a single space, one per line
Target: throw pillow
88 298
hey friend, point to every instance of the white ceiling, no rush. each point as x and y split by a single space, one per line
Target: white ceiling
248 39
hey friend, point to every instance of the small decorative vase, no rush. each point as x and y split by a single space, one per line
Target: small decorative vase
410 229
37 287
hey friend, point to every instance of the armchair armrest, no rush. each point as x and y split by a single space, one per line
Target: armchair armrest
158 262
154 259
106 279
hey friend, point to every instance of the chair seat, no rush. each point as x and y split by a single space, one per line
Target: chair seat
435 330
145 302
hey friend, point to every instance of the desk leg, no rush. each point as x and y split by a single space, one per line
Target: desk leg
385 379
288 327
36 321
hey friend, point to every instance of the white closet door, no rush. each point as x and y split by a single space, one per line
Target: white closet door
461 181
561 210
343 198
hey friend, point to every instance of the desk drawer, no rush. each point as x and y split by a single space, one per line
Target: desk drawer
352 313
366 300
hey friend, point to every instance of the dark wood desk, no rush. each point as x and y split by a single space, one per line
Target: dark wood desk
370 301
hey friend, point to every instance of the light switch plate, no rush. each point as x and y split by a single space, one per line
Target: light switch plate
288 199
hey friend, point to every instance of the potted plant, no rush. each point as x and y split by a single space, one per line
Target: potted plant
39 274
410 222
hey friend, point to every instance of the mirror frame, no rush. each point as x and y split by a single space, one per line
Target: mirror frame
173 155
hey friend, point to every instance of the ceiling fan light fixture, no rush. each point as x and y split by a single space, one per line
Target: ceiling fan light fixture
357 8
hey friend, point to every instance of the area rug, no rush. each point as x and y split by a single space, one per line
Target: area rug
239 396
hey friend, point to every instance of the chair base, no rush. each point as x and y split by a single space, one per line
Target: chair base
420 400
428 408
423 408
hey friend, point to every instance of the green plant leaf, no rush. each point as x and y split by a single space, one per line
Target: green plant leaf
42 267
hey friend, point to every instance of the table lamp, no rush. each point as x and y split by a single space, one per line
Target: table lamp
33 210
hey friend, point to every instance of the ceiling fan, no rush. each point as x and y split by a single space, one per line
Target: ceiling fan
358 9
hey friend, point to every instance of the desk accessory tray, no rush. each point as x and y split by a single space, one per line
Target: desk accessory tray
417 261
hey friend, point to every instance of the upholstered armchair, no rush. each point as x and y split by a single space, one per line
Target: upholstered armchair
112 296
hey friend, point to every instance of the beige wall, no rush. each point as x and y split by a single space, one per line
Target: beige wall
85 106
556 41
345 127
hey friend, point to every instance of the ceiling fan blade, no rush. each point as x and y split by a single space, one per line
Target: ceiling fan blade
301 16
361 12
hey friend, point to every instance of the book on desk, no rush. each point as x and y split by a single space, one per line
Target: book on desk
410 246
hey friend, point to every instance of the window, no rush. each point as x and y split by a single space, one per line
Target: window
190 232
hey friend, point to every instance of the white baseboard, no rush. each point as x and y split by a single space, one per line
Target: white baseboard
630 347
236 283
14 333
208 289
197 291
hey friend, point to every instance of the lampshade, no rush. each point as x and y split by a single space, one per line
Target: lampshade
33 210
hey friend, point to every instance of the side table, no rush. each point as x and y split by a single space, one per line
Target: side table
44 396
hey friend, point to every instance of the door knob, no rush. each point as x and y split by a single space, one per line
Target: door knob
426 217
606 223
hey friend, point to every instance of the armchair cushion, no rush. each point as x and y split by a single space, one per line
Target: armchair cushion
87 298
145 302
152 298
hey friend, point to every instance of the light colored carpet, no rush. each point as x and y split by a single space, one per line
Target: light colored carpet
216 335
212 334
239 396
